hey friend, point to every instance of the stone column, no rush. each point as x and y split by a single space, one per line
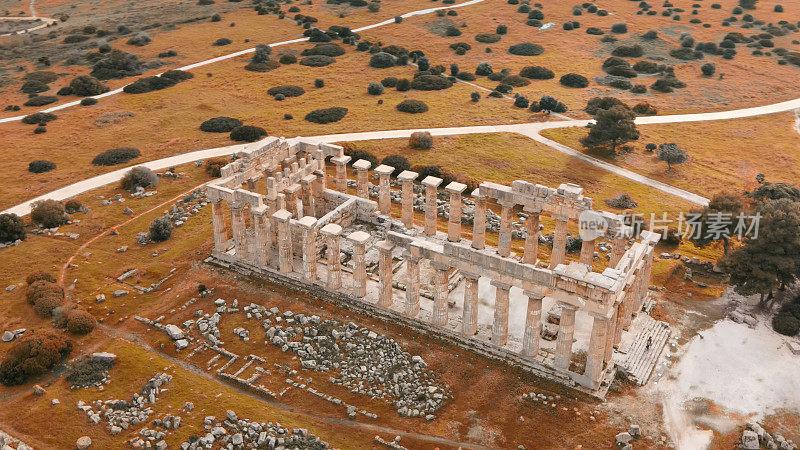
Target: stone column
587 253
317 188
282 218
332 231
362 171
412 282
292 199
307 182
341 172
531 238
238 227
440 293
319 158
566 330
559 241
469 322
359 240
384 190
262 240
504 239
385 272
479 221
310 253
431 190
454 223
220 231
597 349
500 325
407 177
620 307
617 250
610 336
533 324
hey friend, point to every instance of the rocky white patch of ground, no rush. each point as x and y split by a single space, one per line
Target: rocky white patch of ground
235 432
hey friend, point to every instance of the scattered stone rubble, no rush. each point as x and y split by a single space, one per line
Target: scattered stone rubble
235 432
394 444
9 442
367 363
9 336
755 437
121 414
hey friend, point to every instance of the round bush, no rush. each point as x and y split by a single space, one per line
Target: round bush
594 31
483 69
650 35
39 130
222 41
634 51
139 40
88 101
488 38
286 91
619 28
526 49
220 125
73 206
287 58
430 83
325 49
452 31
40 275
138 177
48 213
44 306
115 156
412 106
515 81
421 140
12 228
87 85
574 80
317 61
148 84
160 229
34 354
389 82
793 309
41 100
399 163
247 133
34 87
708 69
382 60
326 115
374 88
319 82
786 324
41 287
41 166
536 73
80 322
64 91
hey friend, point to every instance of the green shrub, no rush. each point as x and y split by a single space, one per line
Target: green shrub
430 83
79 321
48 213
374 88
220 125
452 31
382 60
595 31
222 41
389 82
88 101
574 80
644 109
319 83
287 58
73 206
248 133
399 163
11 228
633 51
412 106
117 64
646 67
536 73
325 49
140 39
317 61
87 85
786 324
286 91
619 28
64 91
792 308
355 155
138 177
515 81
160 229
403 85
41 166
41 76
526 49
488 38
708 69
34 87
41 100
75 38
148 84
326 115
34 354
115 156
177 75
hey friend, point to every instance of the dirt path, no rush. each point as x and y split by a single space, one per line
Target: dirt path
46 21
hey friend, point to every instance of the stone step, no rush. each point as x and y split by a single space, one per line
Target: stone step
640 360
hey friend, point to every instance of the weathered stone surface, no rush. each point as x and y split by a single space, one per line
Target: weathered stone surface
83 442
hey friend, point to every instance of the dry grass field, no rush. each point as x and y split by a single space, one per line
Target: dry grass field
725 156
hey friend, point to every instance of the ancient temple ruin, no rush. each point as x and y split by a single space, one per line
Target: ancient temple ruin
287 222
